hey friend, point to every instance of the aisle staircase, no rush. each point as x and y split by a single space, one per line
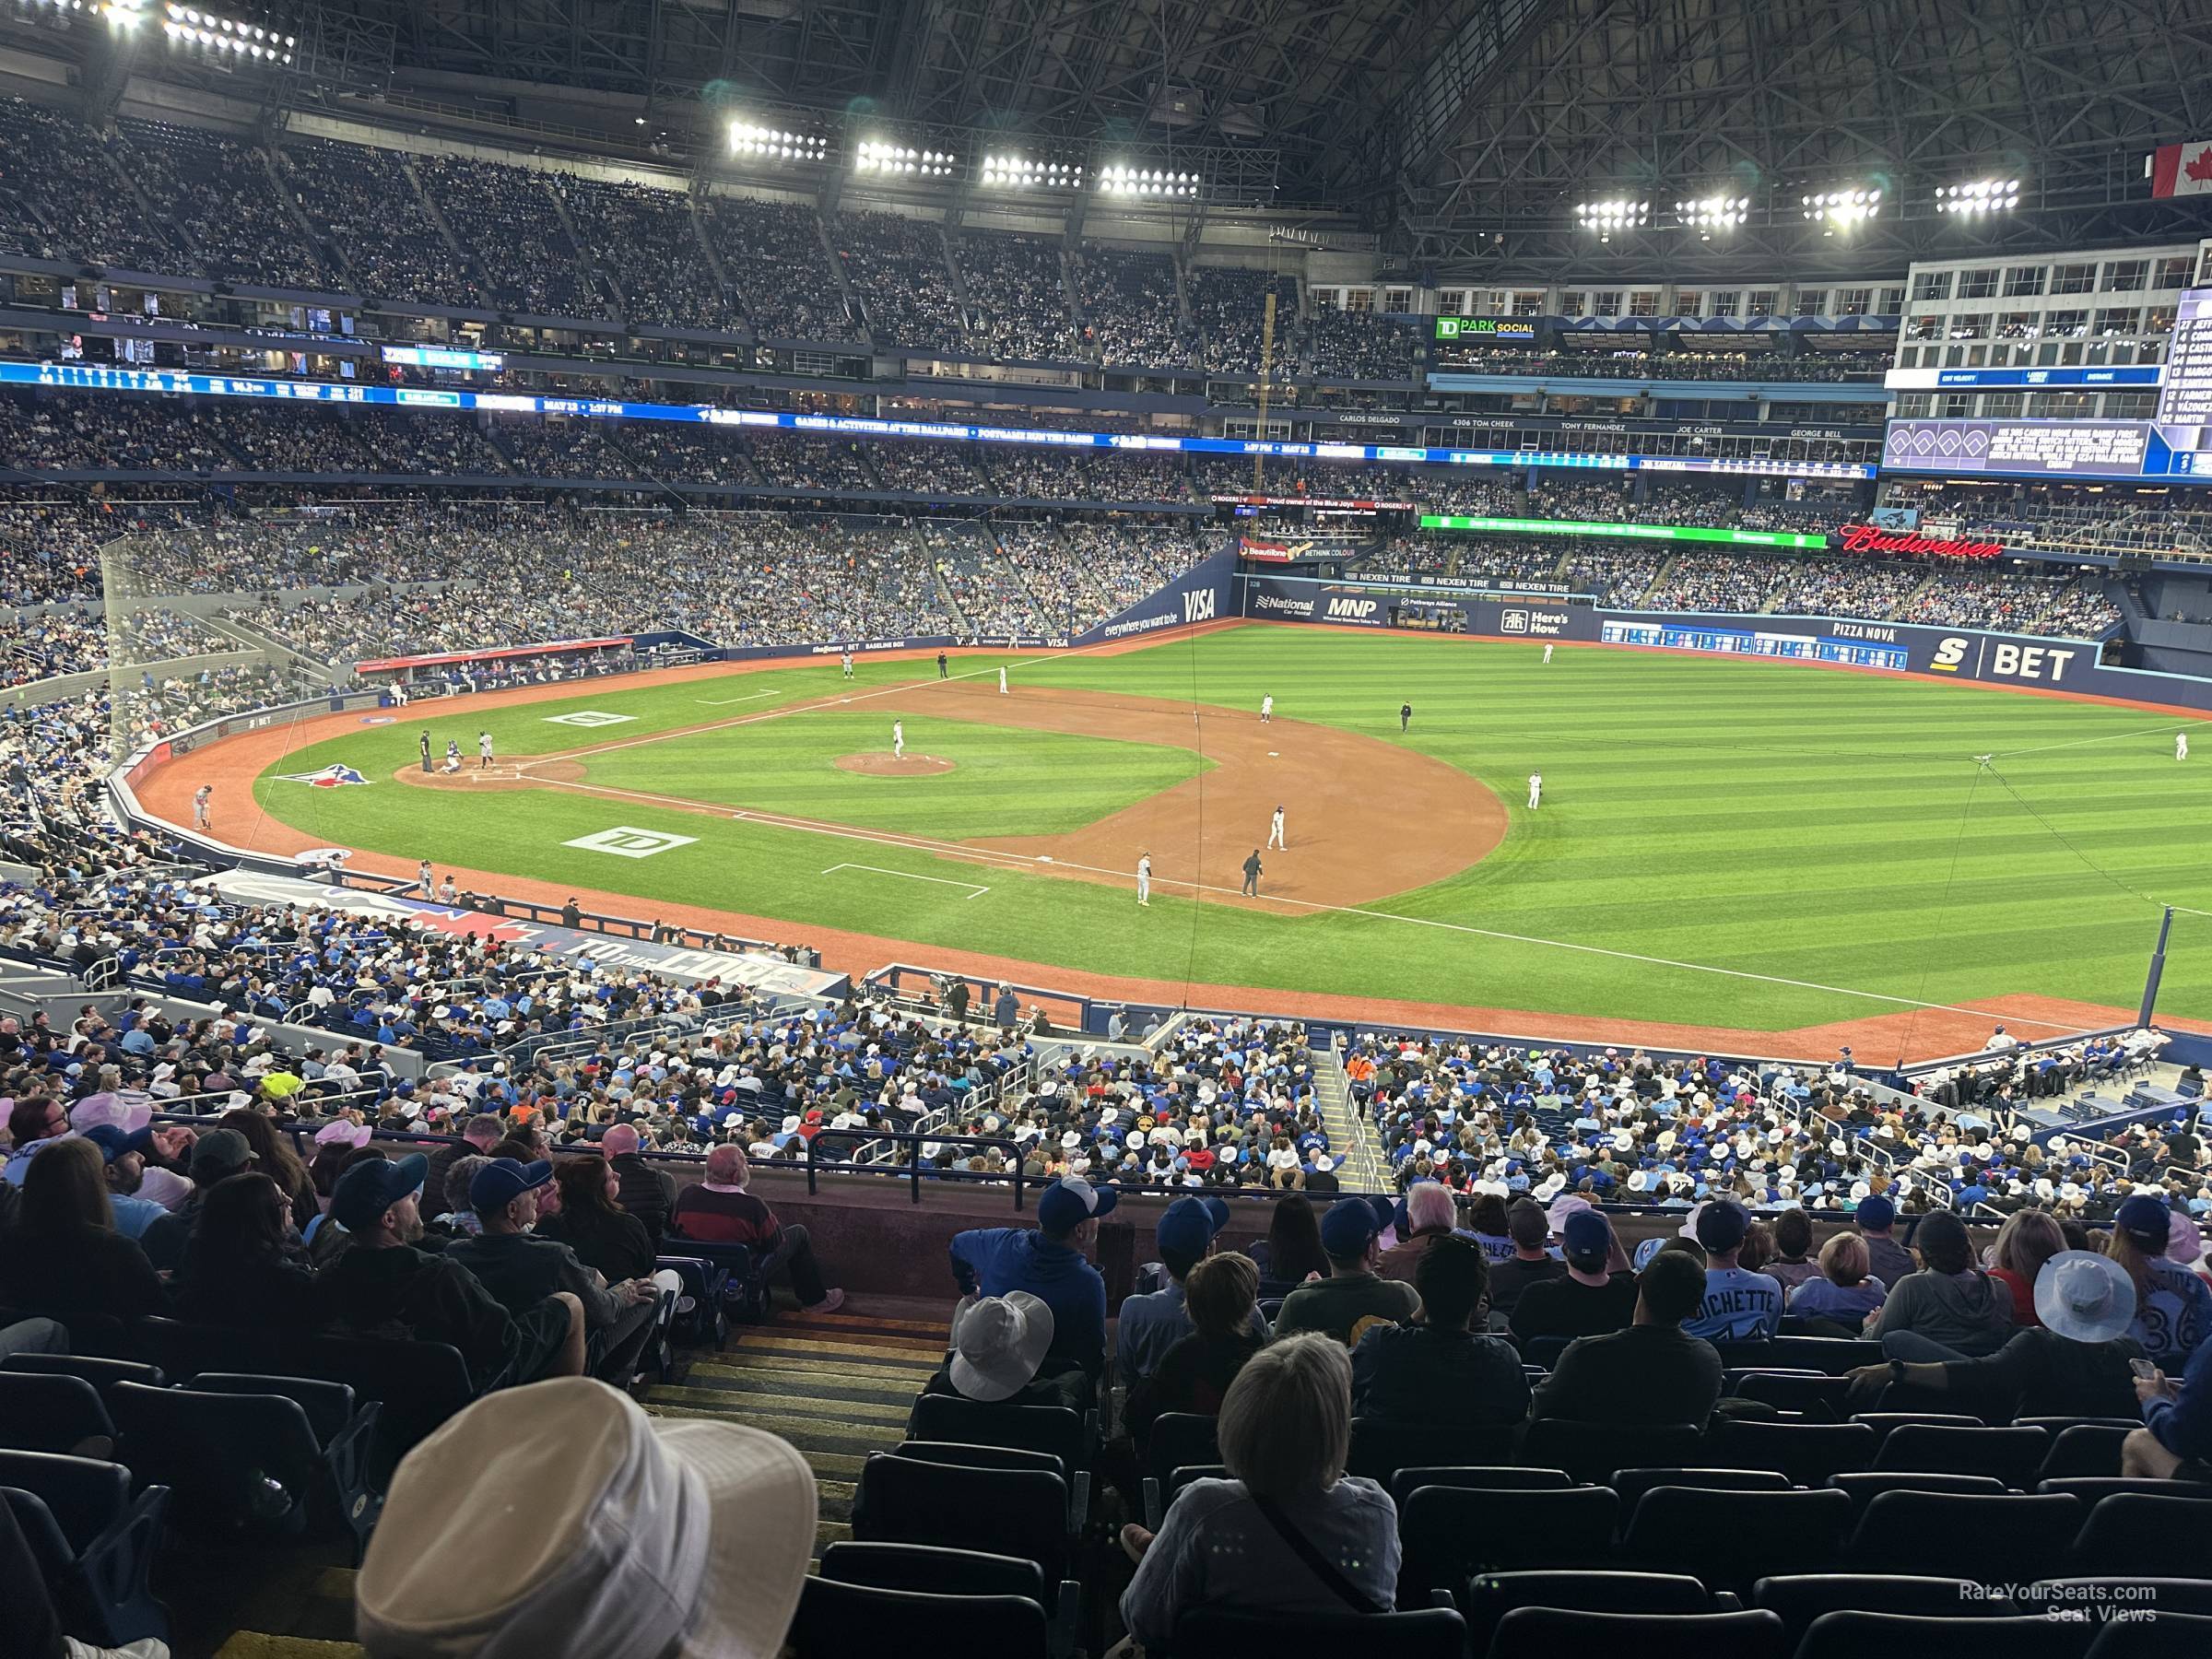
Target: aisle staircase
835 1385
1358 1167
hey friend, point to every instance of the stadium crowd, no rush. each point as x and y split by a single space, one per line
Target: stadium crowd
1132 311
1017 298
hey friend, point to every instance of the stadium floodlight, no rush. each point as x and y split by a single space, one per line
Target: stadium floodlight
1708 213
1118 180
758 143
1618 214
1841 209
1983 196
1011 170
187 26
877 158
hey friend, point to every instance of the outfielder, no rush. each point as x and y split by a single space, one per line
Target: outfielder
1275 832
1536 789
202 818
1404 716
2180 746
1144 879
1548 653
897 739
1266 708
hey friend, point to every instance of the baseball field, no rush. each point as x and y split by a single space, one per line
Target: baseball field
1720 844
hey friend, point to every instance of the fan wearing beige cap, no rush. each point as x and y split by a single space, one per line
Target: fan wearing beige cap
2079 1363
559 1521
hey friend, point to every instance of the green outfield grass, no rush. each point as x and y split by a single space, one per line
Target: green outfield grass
1802 825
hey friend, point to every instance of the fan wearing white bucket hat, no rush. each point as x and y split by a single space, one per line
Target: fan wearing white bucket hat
999 1344
2076 1363
557 1521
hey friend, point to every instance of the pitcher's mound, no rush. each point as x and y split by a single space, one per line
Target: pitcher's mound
884 766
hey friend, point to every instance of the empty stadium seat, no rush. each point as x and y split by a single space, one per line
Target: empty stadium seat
1496 1477
1820 1397
328 1406
237 1464
1632 1484
48 1412
1853 1635
835 1619
2143 1531
2081 1449
1831 1355
1490 1596
1050 1429
2089 1488
1730 1540
1593 1450
1379 1450
1448 1535
1176 1440
2012 1455
1018 1513
933 1571
1799 1598
2004 1539
1884 1422
1215 1633
1549 1632
1863 1487
1807 1452
95 1542
2163 1635
101 1373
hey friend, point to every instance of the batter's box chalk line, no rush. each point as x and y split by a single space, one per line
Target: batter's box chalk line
975 891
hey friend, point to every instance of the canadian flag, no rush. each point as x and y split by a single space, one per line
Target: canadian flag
2180 170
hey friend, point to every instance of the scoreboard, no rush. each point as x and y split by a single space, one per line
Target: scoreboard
1745 642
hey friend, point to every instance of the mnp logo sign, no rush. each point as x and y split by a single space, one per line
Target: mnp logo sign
624 841
1354 610
1198 605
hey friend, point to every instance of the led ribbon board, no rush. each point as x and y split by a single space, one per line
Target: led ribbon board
1681 533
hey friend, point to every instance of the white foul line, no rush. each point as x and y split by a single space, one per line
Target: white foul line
2078 742
942 849
718 703
975 891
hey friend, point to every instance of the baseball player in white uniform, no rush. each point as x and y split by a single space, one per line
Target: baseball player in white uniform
2180 746
1144 879
1002 679
1548 653
845 661
200 799
1536 789
483 749
1267 708
897 739
1274 831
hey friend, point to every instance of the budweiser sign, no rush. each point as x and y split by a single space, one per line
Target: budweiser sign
1868 538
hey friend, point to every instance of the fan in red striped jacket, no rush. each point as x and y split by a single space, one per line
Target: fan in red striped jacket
720 1211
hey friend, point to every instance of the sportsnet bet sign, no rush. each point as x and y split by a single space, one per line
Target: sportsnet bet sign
1910 543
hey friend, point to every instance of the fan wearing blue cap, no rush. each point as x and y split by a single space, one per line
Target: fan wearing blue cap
1342 1305
1151 1325
1886 1258
523 1270
1050 1263
381 1281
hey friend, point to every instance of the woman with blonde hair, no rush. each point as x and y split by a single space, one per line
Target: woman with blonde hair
1288 1532
1845 1291
2028 1239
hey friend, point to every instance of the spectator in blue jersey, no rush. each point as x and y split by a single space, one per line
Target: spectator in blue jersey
1950 1308
1486 1220
1739 1305
1048 1262
2173 1306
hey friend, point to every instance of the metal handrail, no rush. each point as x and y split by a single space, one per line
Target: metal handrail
913 1141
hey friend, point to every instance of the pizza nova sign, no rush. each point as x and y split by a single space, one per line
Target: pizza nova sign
1910 543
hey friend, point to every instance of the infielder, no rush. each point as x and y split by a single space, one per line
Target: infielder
1002 679
1144 879
897 739
845 662
1266 708
1275 832
483 749
1536 789
2180 746
201 817
1548 653
1404 716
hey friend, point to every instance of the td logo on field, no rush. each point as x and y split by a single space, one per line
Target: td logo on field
588 717
624 841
